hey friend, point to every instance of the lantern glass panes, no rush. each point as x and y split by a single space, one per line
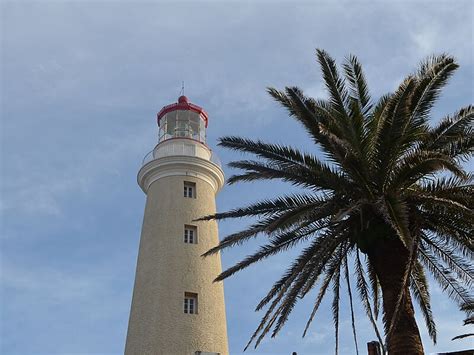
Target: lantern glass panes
182 124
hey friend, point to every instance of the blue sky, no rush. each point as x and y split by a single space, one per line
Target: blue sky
81 83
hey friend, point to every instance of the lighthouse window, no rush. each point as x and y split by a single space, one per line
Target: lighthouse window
190 234
190 303
189 189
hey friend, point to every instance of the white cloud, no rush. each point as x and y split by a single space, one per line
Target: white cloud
425 40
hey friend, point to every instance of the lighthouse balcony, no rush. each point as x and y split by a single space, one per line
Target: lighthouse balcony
182 147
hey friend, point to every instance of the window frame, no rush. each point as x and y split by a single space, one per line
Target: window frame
190 303
190 235
189 189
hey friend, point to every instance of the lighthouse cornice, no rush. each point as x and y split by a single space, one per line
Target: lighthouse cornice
181 166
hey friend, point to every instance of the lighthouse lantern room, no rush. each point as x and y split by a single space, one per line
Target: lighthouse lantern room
182 120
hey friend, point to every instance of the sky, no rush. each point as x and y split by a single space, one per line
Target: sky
81 83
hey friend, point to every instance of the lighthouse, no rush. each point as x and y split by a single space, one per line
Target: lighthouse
177 309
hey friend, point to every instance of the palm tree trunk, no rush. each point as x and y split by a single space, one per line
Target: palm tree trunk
389 259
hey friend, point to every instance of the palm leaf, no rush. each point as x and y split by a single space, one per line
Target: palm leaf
433 74
419 287
444 277
454 135
349 292
364 295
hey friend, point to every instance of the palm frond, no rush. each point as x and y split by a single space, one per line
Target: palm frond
242 236
349 292
469 309
321 248
350 163
360 105
395 213
364 295
288 158
433 74
307 214
280 243
374 123
333 266
463 269
335 85
330 133
339 99
455 229
332 263
419 288
296 175
267 207
359 90
300 112
335 301
444 277
390 141
280 288
454 135
463 336
421 164
458 190
287 300
375 288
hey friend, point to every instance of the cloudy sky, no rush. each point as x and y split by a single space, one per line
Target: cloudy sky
81 83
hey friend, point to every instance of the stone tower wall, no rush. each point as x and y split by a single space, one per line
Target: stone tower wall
167 268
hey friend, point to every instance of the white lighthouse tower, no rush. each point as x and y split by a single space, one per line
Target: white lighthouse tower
176 307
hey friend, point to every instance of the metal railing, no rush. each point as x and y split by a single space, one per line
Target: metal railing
150 156
215 159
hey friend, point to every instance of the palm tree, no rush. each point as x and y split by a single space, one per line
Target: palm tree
389 202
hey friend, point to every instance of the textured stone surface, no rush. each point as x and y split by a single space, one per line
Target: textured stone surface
167 268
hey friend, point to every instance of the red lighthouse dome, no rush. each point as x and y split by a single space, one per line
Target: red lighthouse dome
182 100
